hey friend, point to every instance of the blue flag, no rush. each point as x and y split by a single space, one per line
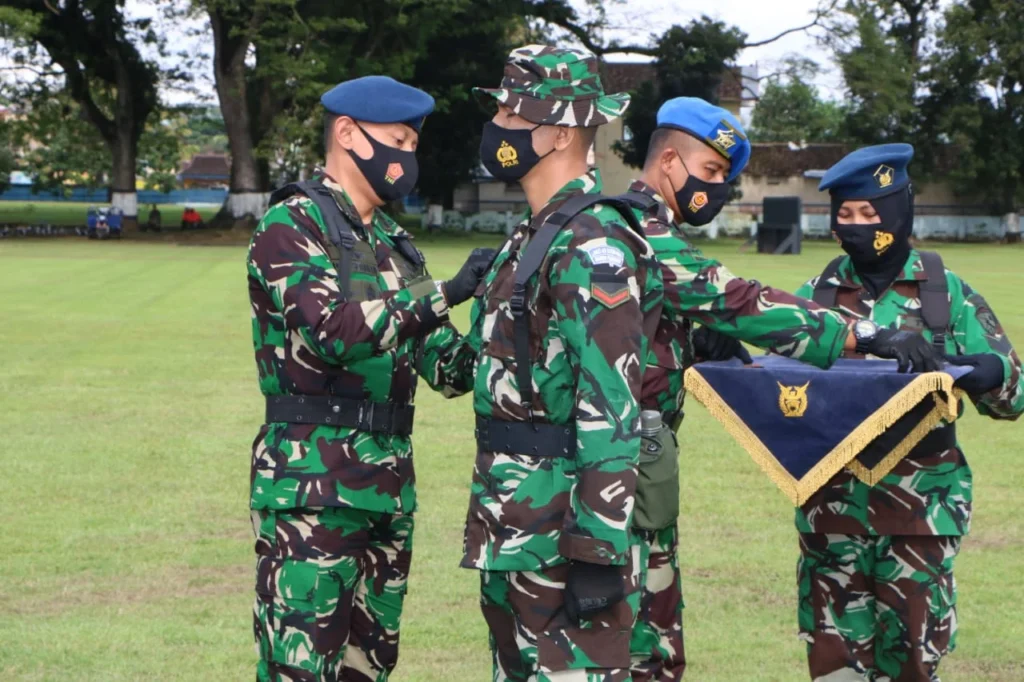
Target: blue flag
802 424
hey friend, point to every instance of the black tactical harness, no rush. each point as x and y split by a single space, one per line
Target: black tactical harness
363 415
539 439
934 294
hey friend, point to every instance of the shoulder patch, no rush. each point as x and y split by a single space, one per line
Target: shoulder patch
605 255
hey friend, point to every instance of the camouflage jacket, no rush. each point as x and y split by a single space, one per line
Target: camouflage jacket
925 494
702 289
592 308
310 342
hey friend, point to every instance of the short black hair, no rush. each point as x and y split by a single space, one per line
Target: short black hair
329 118
666 137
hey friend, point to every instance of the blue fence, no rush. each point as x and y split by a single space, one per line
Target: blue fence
99 196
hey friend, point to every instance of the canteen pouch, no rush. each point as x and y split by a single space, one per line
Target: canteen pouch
657 483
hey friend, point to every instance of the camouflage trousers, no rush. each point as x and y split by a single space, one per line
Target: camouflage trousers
877 608
656 646
330 584
532 639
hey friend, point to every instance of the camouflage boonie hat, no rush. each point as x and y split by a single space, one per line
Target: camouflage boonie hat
556 86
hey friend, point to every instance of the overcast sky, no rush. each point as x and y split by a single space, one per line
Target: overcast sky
759 19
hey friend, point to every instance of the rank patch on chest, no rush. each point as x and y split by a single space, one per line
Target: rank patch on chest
605 255
610 294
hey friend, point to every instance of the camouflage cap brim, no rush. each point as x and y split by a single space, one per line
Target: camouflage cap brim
572 113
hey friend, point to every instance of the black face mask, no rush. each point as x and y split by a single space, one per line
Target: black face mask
700 201
392 173
879 251
508 154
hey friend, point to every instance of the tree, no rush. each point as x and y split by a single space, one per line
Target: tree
93 49
690 62
469 49
976 96
793 111
274 58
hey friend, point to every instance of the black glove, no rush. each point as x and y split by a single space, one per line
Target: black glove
988 372
460 288
709 344
911 351
591 589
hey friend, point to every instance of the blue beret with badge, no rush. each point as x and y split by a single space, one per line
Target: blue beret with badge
379 99
714 126
869 173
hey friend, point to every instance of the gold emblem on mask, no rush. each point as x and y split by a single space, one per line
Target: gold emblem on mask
507 155
884 175
793 399
883 240
699 201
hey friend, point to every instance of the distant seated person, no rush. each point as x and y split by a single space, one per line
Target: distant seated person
154 219
190 219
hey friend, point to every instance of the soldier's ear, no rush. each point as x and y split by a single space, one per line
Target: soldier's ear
344 129
564 137
668 159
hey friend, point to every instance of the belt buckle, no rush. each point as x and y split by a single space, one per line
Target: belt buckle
365 417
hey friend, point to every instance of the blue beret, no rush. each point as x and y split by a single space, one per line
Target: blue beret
379 99
869 173
712 125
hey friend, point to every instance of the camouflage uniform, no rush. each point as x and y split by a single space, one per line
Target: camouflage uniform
332 506
592 307
702 289
877 597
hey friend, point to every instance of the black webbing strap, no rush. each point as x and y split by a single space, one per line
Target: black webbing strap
639 200
525 438
529 264
934 294
340 237
363 415
825 293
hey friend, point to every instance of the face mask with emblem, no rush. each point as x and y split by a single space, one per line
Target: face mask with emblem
879 251
391 172
700 201
507 153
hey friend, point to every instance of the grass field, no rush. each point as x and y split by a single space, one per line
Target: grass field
73 213
128 404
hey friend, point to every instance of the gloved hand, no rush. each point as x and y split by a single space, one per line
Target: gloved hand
911 351
714 346
988 372
591 589
460 288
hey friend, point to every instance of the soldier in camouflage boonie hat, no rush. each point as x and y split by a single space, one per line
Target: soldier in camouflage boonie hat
556 86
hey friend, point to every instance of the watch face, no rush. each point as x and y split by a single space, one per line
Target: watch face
864 328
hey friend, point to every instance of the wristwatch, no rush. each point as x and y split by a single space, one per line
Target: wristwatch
864 331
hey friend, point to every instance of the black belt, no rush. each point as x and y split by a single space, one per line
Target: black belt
525 438
364 415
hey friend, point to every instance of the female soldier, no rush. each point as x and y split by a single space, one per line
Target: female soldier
877 598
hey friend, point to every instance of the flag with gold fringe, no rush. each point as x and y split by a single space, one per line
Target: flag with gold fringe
802 425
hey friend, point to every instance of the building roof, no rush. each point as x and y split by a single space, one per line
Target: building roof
783 160
207 167
627 76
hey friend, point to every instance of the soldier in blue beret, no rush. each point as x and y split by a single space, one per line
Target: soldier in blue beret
693 155
345 316
877 597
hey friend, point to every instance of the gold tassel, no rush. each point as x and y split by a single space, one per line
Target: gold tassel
799 491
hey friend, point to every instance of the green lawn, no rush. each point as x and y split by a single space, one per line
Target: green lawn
73 213
128 404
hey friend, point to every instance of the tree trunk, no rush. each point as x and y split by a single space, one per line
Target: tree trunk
1011 221
246 192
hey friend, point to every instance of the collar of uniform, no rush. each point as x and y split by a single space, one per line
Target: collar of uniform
665 213
588 183
382 222
913 271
